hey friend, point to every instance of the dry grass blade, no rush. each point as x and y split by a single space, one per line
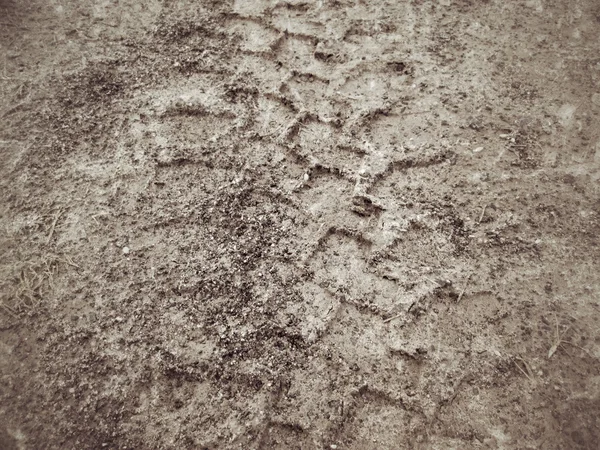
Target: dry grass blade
460 296
586 351
70 262
389 319
527 373
9 310
482 214
56 217
557 341
31 284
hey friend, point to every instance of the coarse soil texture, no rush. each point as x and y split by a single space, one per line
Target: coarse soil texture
299 224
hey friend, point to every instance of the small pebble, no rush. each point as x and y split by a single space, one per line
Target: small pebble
126 250
478 149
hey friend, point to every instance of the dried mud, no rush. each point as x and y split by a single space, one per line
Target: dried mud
299 224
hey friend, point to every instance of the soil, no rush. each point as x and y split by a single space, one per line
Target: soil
299 224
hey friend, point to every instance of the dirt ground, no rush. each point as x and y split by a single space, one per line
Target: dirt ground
299 224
